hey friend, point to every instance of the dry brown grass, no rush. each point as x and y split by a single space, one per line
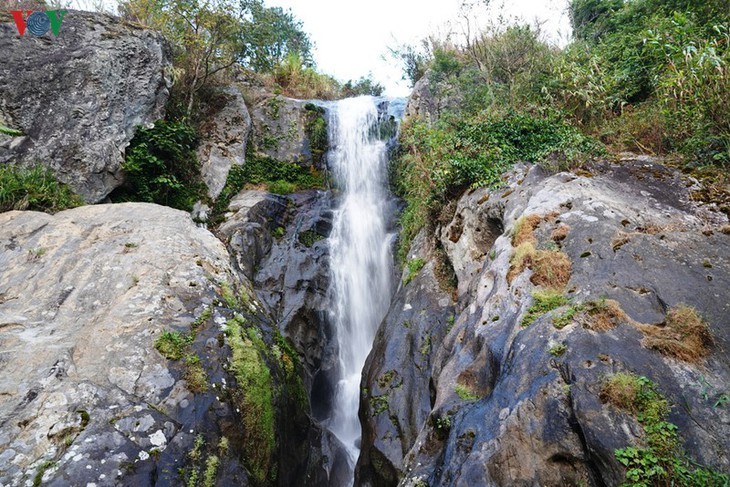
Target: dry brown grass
524 231
620 390
621 239
725 229
604 315
684 335
560 233
550 268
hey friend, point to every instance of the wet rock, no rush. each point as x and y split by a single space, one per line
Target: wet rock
101 78
397 396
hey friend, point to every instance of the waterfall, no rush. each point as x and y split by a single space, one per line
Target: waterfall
361 259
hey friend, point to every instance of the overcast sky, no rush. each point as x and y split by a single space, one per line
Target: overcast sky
351 37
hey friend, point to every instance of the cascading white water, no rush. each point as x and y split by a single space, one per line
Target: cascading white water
360 253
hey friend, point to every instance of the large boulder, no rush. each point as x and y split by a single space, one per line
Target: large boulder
289 130
516 401
225 134
78 98
90 301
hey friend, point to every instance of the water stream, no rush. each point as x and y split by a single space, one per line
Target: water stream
360 252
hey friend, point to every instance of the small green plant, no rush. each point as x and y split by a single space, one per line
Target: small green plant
425 345
465 393
379 404
414 266
172 344
281 187
442 424
661 461
211 470
278 232
196 450
543 302
36 253
38 479
229 296
34 188
563 320
11 132
722 401
309 237
558 350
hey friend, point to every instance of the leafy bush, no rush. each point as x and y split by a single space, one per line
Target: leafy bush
34 188
161 167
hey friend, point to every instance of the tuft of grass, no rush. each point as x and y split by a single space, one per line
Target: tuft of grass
229 297
558 350
195 375
172 344
255 397
550 268
684 335
465 393
414 266
604 314
34 188
563 320
543 302
524 230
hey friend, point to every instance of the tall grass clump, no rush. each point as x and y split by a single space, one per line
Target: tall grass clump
34 188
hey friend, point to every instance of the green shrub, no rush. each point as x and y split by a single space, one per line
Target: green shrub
161 167
34 188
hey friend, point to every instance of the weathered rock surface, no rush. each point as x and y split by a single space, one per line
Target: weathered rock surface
398 373
289 130
279 243
431 97
100 79
224 137
503 410
84 395
84 295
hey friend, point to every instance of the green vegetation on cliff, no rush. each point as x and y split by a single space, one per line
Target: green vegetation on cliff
651 76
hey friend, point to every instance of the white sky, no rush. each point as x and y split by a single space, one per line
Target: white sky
351 37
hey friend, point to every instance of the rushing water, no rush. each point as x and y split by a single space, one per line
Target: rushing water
361 259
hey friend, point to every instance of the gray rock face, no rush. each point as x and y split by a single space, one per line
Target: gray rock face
398 373
279 243
505 411
224 138
78 97
431 96
84 295
282 130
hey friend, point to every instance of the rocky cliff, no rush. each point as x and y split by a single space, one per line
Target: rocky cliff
503 386
78 97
